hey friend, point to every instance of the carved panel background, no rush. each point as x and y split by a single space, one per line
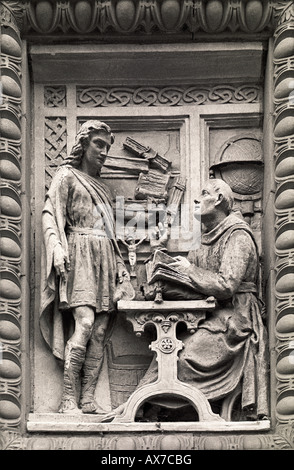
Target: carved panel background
176 132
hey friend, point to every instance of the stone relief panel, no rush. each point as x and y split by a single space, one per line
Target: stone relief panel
256 16
128 357
162 145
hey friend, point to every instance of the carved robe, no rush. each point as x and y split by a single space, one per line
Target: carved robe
77 215
230 345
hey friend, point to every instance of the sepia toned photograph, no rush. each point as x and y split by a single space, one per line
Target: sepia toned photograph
147 234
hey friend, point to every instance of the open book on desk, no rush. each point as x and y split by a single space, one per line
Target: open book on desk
173 281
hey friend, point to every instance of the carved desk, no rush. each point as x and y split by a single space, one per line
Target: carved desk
165 316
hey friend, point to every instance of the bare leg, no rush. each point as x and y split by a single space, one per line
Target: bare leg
93 363
75 352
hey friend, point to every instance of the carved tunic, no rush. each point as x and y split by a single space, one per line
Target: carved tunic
78 215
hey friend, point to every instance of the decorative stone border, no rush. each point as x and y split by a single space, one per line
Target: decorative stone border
80 19
151 16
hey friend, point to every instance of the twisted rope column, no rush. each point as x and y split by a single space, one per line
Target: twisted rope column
10 222
284 209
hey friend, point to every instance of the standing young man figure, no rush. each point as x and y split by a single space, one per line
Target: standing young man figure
83 265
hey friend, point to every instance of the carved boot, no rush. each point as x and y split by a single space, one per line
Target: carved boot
74 359
90 374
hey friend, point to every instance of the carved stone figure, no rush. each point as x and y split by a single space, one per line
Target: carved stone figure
132 245
82 266
229 347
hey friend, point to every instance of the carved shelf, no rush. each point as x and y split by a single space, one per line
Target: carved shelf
54 422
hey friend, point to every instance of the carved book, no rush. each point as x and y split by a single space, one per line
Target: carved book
129 164
156 160
173 283
153 184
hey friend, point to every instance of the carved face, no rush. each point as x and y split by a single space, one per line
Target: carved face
208 201
96 151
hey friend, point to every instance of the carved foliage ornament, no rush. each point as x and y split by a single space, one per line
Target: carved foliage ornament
282 439
11 12
284 11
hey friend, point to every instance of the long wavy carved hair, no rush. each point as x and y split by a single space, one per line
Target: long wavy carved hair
82 141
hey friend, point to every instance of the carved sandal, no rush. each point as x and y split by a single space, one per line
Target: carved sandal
69 406
89 407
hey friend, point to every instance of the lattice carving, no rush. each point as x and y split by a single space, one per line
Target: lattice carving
55 96
55 145
167 96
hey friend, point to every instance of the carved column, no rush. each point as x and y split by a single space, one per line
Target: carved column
284 208
10 220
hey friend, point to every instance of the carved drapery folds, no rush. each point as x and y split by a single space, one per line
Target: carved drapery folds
80 19
10 223
284 208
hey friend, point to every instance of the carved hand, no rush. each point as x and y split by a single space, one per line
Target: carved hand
60 261
159 236
181 263
122 273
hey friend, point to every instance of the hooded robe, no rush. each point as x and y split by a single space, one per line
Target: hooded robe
230 344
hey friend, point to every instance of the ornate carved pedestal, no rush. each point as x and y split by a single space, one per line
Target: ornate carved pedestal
165 317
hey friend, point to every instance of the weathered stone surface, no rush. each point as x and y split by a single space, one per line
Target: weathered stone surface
234 18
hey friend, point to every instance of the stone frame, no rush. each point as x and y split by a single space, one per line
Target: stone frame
25 21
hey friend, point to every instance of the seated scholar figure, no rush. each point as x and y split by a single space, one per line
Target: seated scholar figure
229 348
